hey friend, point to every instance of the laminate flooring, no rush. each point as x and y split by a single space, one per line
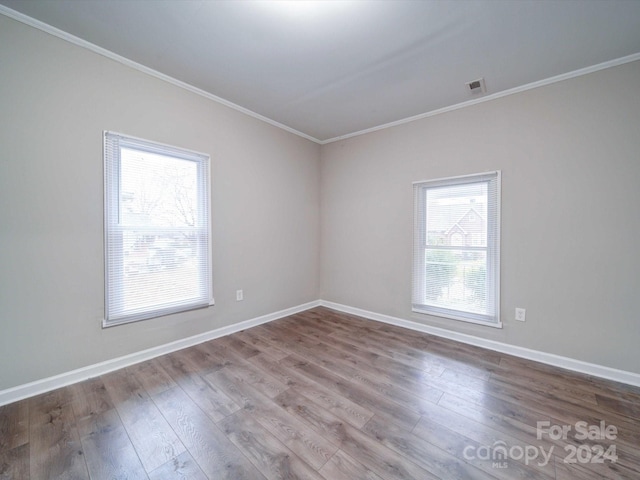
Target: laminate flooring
325 395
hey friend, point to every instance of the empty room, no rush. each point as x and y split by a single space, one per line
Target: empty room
331 240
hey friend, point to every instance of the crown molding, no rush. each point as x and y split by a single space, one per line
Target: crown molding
32 22
56 32
512 91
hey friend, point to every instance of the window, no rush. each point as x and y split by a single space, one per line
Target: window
157 240
456 271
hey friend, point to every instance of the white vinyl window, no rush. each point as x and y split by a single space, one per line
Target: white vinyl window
456 266
157 230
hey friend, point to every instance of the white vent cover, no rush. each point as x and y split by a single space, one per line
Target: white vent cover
476 87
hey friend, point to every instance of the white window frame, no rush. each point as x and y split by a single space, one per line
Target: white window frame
419 301
113 229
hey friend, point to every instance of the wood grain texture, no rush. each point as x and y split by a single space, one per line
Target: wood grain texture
244 372
14 425
453 433
340 406
90 398
322 395
152 377
108 451
370 398
212 401
258 343
153 438
211 449
433 458
342 465
385 375
14 463
264 450
311 447
182 467
365 449
55 449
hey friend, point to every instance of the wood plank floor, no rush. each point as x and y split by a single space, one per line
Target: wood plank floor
324 395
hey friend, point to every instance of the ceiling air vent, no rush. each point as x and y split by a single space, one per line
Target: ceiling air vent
476 87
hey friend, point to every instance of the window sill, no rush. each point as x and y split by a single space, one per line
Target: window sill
452 316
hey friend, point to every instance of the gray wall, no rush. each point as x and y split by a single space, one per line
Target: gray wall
293 222
570 160
55 101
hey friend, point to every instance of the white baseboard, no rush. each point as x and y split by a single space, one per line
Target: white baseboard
19 392
609 373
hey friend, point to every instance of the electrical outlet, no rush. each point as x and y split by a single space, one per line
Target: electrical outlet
520 314
239 295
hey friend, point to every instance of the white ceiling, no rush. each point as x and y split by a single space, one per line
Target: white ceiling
333 68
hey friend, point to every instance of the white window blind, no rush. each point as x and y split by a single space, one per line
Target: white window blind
157 229
456 271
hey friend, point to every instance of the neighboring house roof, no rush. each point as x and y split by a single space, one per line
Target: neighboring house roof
443 224
456 227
